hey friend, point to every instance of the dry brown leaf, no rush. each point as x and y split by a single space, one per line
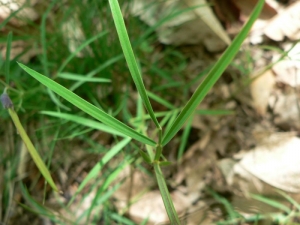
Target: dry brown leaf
209 18
74 36
276 163
27 13
20 48
261 89
73 214
226 11
197 214
195 166
286 110
242 182
152 207
248 206
246 7
193 27
136 183
257 32
286 23
288 70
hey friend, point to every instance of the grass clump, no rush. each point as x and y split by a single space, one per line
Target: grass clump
79 75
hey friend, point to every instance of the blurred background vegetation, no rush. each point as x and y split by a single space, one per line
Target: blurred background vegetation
75 43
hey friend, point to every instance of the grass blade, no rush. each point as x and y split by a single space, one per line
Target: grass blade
130 58
97 70
7 103
212 77
184 137
160 100
78 77
57 101
88 107
96 169
217 112
82 46
229 208
271 202
33 152
45 62
172 214
12 14
83 121
290 199
171 120
7 60
101 197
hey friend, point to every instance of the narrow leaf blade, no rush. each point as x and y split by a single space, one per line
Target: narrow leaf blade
130 58
97 168
78 77
212 77
172 214
88 107
83 121
33 152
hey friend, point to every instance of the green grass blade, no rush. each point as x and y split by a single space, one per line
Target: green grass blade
96 169
82 46
45 62
88 107
145 156
172 214
290 199
160 100
108 183
228 206
33 152
97 70
171 120
40 210
147 116
44 39
141 126
78 77
74 134
130 58
271 202
167 118
100 199
7 103
217 112
85 122
121 220
212 77
11 15
184 138
56 100
7 60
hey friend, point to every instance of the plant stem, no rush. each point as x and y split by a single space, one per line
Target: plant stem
172 214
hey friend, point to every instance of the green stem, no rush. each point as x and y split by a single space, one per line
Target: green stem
172 214
7 103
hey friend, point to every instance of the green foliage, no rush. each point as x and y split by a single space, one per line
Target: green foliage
78 75
88 108
130 58
212 77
